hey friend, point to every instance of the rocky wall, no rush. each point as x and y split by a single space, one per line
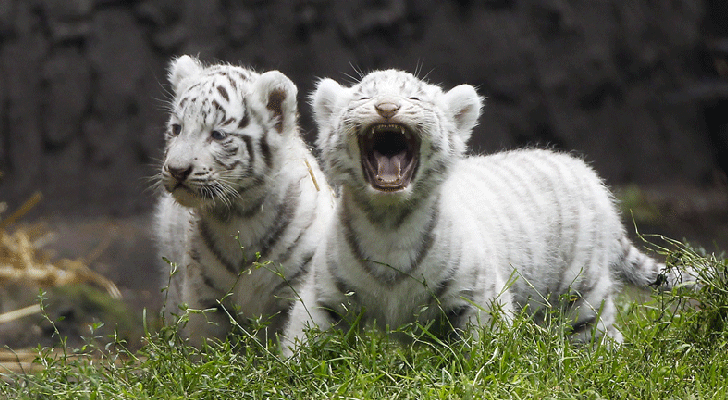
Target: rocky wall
631 84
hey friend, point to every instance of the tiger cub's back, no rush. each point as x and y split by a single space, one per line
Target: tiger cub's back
547 216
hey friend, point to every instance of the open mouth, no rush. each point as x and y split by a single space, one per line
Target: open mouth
389 156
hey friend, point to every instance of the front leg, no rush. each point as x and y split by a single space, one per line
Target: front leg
467 314
173 282
207 318
307 312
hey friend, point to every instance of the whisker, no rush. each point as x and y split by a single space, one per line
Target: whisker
226 191
424 78
153 183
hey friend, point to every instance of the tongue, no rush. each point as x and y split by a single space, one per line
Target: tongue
389 169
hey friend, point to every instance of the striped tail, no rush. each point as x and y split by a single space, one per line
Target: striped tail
639 269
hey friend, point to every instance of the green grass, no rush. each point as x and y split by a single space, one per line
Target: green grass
676 346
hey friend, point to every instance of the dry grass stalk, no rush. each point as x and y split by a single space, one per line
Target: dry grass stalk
23 261
17 314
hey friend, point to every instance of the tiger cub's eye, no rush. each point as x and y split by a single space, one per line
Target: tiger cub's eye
218 135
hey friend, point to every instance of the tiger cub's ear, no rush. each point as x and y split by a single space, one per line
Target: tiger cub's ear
182 68
278 95
464 105
324 101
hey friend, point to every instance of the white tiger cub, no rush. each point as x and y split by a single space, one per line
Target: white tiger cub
239 182
423 233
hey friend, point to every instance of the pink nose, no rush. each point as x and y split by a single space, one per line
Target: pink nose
387 109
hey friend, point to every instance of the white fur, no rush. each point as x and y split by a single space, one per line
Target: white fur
249 190
448 244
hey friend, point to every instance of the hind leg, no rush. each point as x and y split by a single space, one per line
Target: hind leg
594 316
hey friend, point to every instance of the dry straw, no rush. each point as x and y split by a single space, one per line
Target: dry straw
24 262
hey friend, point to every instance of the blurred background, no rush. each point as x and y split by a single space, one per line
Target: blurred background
638 87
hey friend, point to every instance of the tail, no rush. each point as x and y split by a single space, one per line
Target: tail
639 269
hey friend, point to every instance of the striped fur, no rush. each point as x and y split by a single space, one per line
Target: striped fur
518 228
239 182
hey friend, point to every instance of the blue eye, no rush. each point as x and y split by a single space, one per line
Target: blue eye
218 135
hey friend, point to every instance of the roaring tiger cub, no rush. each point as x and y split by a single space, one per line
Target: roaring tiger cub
423 233
240 185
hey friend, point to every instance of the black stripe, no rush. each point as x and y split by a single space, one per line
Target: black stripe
247 213
281 221
587 199
382 216
294 244
282 315
232 82
243 75
229 148
455 315
509 227
333 267
246 116
301 270
283 216
249 145
265 150
429 238
223 92
306 262
221 109
303 267
350 237
572 211
516 185
227 167
343 287
444 285
398 275
549 187
468 293
334 316
207 281
209 241
206 304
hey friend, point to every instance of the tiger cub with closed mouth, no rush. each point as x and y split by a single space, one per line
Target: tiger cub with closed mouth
240 184
423 233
